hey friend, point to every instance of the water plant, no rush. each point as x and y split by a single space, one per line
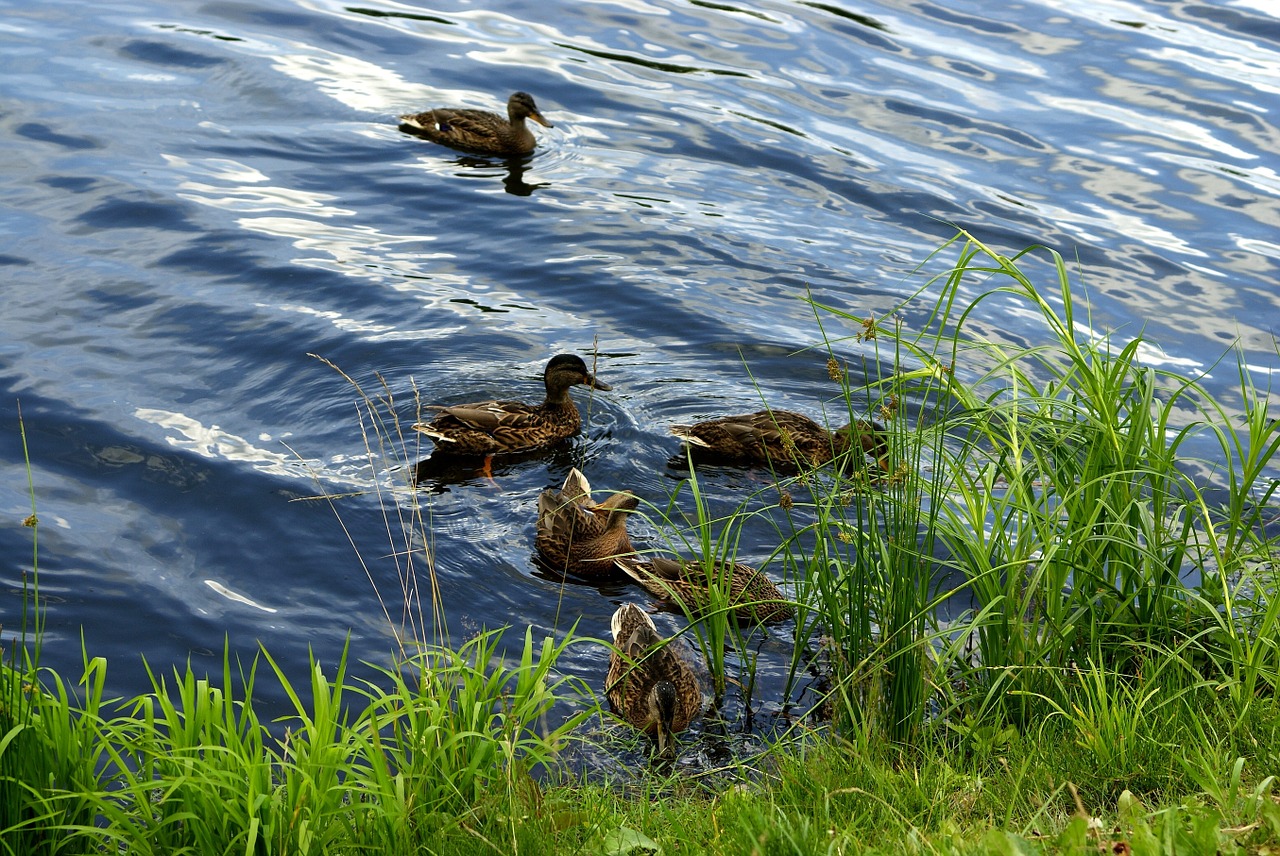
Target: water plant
393 459
1057 487
188 767
49 746
718 616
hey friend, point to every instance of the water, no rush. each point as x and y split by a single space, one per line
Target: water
197 196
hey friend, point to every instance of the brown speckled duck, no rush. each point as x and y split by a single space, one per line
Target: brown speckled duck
479 130
502 427
684 583
649 684
785 440
578 536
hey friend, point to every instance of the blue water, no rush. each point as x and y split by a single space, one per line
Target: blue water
194 197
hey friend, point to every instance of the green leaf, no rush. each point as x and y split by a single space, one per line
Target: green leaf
627 842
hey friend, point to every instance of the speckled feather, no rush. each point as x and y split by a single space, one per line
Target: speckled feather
753 595
783 439
640 660
500 427
480 130
576 535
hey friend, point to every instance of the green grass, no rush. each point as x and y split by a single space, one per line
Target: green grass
187 767
1057 486
1114 682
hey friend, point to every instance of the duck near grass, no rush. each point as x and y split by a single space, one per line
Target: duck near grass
579 536
488 428
684 583
784 440
649 684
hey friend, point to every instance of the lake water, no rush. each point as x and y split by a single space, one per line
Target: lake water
195 196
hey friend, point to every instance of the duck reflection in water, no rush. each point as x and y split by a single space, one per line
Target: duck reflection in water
437 472
513 181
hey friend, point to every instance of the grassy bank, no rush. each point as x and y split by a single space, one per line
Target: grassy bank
1112 685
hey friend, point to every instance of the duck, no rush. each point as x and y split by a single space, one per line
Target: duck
684 583
503 427
578 536
783 439
649 684
480 131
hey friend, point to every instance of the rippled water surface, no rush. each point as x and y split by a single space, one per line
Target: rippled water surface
198 195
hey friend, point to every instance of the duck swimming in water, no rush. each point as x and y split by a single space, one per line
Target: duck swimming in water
502 427
784 440
579 536
480 131
684 583
649 684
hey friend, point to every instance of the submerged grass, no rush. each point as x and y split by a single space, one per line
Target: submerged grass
1109 685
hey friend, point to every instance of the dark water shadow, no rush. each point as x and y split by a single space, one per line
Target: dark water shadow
611 586
440 470
513 182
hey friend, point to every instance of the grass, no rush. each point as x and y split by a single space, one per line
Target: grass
713 542
187 767
1112 684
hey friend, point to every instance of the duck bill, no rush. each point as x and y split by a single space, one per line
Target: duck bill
616 509
541 120
666 744
595 383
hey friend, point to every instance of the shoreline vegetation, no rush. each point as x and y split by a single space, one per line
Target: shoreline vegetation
1111 689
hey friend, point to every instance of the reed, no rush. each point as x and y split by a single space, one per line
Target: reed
188 767
860 545
392 459
713 542
446 727
1054 483
50 753
49 743
1058 486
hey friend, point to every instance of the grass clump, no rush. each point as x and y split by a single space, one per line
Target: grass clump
1052 486
188 767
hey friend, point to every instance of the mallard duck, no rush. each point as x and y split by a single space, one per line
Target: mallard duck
684 583
479 130
501 427
783 439
649 684
579 536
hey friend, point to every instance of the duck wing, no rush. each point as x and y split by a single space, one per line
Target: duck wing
457 125
487 416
